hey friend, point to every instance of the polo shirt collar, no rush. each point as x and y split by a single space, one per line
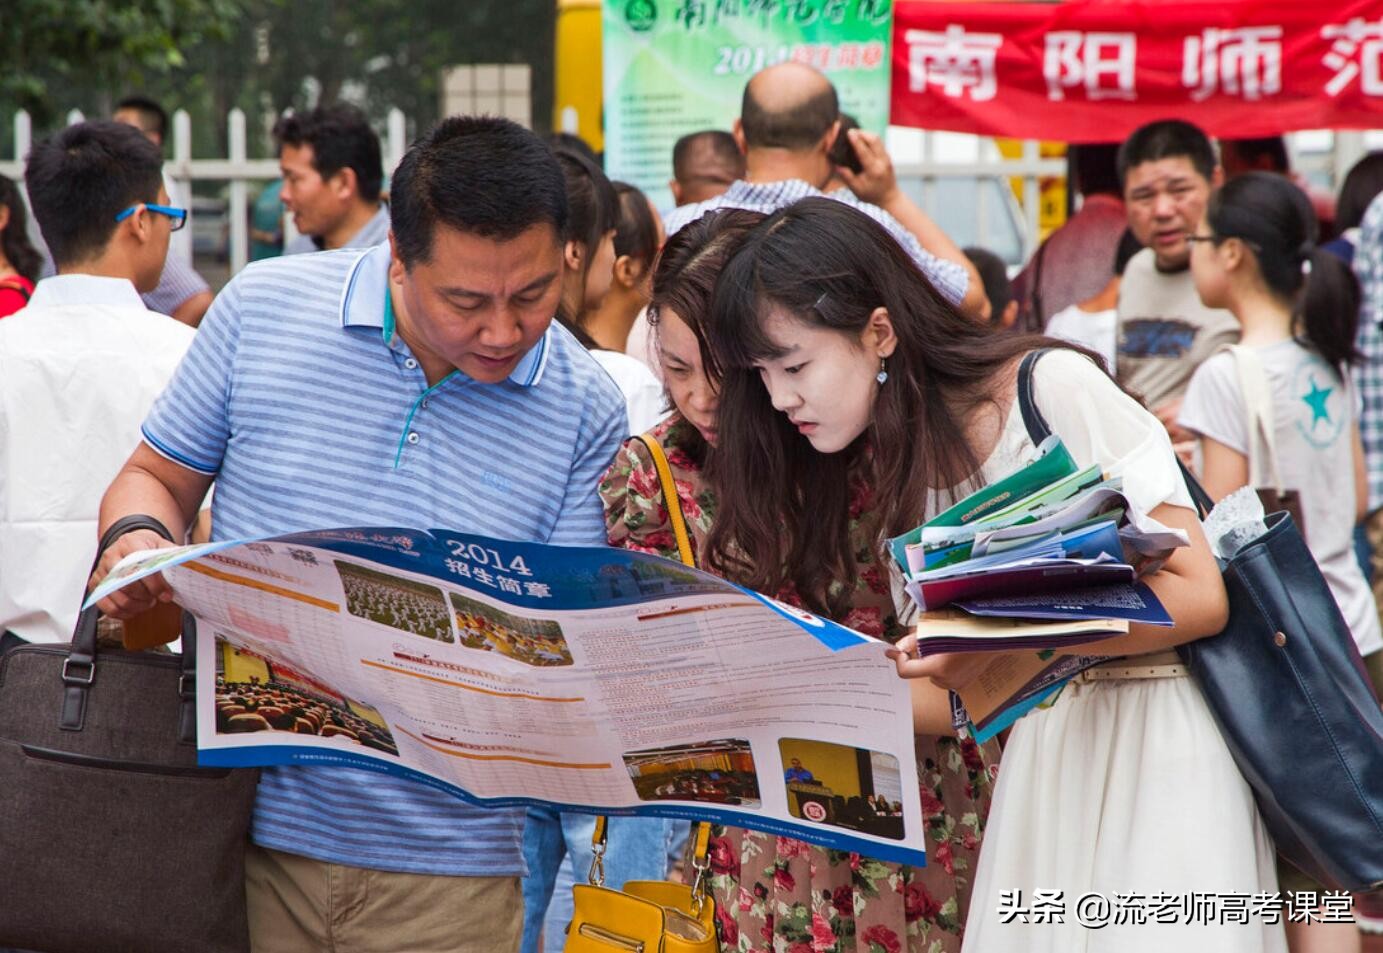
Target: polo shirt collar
363 306
59 291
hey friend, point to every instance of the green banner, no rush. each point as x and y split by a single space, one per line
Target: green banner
676 66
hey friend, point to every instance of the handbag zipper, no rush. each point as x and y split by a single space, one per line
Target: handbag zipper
602 935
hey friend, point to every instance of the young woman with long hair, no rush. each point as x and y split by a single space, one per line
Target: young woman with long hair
19 261
841 367
593 216
771 892
1255 254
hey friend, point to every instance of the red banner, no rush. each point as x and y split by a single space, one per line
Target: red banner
1095 70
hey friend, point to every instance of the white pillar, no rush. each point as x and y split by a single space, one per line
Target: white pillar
397 142
23 135
239 203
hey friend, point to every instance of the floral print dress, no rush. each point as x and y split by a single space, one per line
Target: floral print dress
782 895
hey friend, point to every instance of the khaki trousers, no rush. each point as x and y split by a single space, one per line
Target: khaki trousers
300 905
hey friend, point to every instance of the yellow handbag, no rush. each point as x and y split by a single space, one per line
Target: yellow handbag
648 916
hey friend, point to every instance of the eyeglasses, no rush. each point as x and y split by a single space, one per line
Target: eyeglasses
1216 239
178 215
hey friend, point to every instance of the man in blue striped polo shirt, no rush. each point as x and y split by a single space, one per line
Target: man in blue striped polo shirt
417 383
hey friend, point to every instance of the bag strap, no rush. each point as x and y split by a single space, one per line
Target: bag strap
79 668
13 284
671 500
701 833
1039 430
1258 405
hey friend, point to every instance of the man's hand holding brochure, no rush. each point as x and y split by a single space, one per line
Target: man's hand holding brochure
1039 562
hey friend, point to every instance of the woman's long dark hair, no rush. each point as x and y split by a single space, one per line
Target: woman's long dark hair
1362 185
684 279
636 233
593 210
14 240
784 508
1275 219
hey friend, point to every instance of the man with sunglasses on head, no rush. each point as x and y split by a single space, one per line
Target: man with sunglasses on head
80 366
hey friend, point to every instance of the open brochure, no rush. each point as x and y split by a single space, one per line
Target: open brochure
513 673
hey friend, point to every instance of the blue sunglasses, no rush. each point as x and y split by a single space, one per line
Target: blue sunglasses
178 215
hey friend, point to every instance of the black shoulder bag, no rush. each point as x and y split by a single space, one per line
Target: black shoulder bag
111 836
1290 694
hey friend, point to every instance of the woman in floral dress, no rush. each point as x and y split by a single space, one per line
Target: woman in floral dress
773 893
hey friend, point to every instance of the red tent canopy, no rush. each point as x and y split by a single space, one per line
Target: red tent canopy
1095 70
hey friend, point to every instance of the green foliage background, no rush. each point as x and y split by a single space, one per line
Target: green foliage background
208 56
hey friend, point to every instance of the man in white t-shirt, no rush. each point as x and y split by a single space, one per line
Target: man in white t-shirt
1168 170
80 366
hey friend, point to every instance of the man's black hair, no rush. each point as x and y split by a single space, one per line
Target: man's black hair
341 138
1096 168
714 148
1249 151
799 127
994 276
79 179
154 117
1167 139
477 174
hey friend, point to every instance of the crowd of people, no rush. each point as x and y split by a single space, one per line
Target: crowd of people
824 368
398 603
715 787
530 641
280 706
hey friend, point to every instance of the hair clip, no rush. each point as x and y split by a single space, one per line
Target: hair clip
819 302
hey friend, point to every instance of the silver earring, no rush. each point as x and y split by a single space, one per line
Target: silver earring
883 372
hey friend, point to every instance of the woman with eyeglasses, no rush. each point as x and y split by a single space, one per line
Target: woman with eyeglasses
1254 253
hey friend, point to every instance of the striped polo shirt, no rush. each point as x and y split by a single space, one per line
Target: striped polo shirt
310 417
948 277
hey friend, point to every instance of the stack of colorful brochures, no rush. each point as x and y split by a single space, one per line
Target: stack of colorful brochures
1045 559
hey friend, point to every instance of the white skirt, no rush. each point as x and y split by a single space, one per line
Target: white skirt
1125 790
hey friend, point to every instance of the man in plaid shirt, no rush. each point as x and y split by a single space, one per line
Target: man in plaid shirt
1368 379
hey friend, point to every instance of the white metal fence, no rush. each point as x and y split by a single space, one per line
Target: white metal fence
237 170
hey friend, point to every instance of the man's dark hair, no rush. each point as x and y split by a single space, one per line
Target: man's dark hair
153 117
1167 139
799 127
1095 168
994 276
1250 151
79 179
714 148
478 174
341 138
